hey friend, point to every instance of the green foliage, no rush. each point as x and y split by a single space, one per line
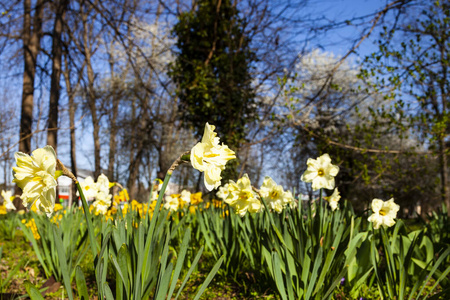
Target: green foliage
8 226
69 239
212 70
410 69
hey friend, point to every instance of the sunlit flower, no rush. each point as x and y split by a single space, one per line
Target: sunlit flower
383 213
334 199
196 198
320 172
210 157
32 225
8 200
242 197
102 202
186 196
172 202
35 175
89 188
58 207
223 192
154 196
157 184
103 184
275 196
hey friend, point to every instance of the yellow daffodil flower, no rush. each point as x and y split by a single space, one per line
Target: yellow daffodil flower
210 157
383 213
196 198
35 175
320 172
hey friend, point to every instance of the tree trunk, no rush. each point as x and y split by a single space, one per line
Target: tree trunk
443 163
73 157
112 125
52 133
91 96
31 37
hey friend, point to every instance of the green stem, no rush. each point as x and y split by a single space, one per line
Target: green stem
88 218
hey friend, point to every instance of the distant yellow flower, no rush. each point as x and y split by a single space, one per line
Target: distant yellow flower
192 209
8 200
210 157
383 213
2 210
58 207
242 197
334 199
35 175
217 203
196 198
275 196
320 172
32 225
125 208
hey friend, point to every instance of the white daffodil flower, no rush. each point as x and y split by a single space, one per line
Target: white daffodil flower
172 202
103 184
223 192
102 204
320 172
7 200
334 199
242 197
275 196
89 188
35 175
210 157
186 196
383 213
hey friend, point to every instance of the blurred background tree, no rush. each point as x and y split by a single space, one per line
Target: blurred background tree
212 73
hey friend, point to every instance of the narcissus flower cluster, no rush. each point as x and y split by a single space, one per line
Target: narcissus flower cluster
276 198
99 191
242 197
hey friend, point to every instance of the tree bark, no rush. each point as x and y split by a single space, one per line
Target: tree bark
52 133
91 98
112 124
31 37
73 157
